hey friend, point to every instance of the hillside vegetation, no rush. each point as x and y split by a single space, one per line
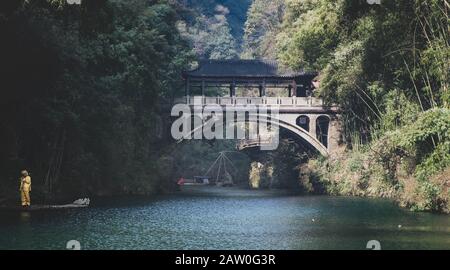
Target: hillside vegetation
388 67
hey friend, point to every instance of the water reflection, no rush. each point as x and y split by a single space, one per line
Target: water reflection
25 217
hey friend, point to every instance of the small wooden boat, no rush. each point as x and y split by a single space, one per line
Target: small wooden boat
80 203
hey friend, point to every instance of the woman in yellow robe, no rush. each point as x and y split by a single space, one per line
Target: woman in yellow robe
25 189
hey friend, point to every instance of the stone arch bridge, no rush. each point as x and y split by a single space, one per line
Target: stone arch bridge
303 115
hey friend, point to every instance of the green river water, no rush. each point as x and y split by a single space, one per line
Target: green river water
227 218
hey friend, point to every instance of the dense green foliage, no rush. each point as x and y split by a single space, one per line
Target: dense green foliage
428 141
409 164
388 67
210 36
365 52
80 88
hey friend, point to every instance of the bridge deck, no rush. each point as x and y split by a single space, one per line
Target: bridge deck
286 104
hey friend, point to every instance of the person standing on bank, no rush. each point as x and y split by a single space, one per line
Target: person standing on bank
25 188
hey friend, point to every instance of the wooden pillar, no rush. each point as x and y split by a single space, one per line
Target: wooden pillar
294 86
264 88
233 89
290 91
260 87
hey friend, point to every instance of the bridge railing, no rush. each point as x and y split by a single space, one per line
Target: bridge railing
282 101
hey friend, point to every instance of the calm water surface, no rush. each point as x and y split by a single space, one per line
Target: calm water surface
228 219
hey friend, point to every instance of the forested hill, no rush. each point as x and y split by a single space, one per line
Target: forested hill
236 14
80 87
214 27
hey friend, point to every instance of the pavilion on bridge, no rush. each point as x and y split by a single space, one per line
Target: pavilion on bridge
248 74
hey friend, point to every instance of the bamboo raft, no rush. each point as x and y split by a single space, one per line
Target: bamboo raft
81 203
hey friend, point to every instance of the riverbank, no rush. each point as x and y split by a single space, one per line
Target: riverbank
360 174
235 191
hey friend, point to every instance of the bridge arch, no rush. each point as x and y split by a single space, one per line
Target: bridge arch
295 129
